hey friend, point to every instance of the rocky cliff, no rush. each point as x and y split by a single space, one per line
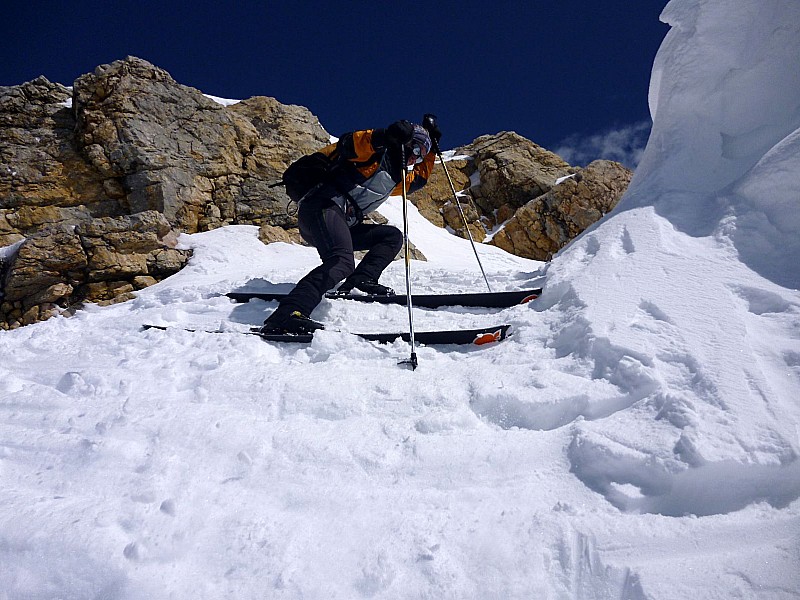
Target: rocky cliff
526 199
96 182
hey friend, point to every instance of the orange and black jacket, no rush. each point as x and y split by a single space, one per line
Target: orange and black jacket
368 170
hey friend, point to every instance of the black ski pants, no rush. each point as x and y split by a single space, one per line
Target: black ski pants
323 225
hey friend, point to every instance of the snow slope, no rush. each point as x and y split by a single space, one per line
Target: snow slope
636 438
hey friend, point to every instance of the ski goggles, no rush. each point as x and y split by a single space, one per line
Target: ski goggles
415 152
420 144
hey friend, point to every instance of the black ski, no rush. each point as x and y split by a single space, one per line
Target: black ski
477 337
485 299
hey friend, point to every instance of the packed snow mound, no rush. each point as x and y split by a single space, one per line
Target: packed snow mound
723 155
679 298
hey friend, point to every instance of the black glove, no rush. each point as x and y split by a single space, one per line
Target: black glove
399 133
430 124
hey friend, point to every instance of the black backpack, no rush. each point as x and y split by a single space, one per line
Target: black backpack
306 173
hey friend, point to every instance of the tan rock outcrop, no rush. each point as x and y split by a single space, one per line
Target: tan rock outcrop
98 180
174 150
546 224
102 260
513 170
43 178
128 140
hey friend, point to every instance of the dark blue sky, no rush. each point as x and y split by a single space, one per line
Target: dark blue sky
551 71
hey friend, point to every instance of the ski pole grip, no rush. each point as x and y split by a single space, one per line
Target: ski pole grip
429 123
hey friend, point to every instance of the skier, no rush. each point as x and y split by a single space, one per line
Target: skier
360 172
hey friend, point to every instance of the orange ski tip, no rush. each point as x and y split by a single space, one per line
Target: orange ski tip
488 338
527 299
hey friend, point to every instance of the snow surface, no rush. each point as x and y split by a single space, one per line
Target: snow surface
223 101
637 437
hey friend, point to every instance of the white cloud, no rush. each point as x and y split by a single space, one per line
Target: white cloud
625 145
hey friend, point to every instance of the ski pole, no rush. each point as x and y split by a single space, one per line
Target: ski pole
429 121
413 359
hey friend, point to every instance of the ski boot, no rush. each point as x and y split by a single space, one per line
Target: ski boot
365 284
295 324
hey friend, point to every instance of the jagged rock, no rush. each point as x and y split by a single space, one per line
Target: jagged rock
270 233
126 140
285 132
127 247
48 258
546 224
432 198
512 181
105 293
142 281
43 178
174 150
513 170
502 173
45 270
96 181
102 260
